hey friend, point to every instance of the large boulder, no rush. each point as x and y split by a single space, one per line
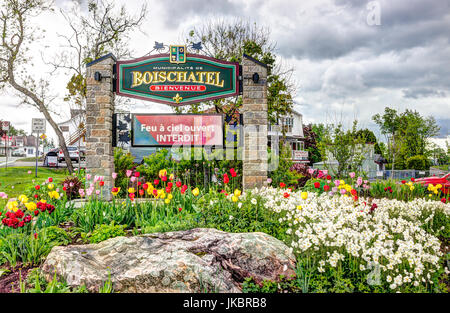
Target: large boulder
195 260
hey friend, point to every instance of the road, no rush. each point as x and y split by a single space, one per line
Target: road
14 161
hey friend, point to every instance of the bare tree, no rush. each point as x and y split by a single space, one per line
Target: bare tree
16 35
229 41
93 33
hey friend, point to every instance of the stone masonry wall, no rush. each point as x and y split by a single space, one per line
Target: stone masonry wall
255 124
99 111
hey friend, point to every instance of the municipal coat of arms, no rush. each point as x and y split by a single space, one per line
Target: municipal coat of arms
177 54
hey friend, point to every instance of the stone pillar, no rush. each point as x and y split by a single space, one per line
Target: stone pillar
99 112
255 123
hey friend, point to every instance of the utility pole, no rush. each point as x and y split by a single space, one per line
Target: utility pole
37 149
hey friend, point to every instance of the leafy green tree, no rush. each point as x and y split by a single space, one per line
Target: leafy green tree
389 124
369 137
229 41
342 146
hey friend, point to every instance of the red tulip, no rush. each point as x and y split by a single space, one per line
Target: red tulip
141 192
286 195
35 235
316 185
179 209
170 184
443 200
145 186
50 179
413 179
403 182
102 183
328 177
137 174
139 183
282 185
64 188
155 192
226 180
168 189
233 172
156 182
326 187
37 187
178 184
164 178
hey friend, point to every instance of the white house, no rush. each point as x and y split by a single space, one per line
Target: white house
21 146
293 127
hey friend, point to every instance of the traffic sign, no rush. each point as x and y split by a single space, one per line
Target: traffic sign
38 125
5 125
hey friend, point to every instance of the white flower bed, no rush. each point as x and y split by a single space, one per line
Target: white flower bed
332 228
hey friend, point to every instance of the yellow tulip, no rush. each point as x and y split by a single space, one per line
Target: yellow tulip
51 186
131 190
23 198
171 176
31 206
299 207
234 198
304 195
12 206
167 201
169 196
195 192
237 192
162 173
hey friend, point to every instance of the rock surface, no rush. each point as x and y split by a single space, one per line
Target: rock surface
196 260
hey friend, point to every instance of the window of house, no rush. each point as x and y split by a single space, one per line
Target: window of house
30 151
298 145
288 124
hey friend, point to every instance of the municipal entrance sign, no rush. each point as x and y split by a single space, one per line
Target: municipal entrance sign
177 78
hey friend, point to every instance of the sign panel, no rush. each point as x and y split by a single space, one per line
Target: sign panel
38 125
177 78
5 125
300 155
158 130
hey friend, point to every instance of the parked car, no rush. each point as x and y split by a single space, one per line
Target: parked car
444 181
51 158
73 153
18 153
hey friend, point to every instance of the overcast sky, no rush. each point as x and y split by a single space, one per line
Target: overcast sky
352 57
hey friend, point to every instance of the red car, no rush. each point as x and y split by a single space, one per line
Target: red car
444 181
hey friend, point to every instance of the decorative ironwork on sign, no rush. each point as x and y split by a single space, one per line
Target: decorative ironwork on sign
177 77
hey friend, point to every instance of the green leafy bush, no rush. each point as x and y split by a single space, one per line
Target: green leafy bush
123 161
418 162
103 232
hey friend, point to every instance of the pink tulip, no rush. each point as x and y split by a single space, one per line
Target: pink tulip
97 192
129 173
325 172
352 174
133 179
337 182
343 191
114 175
310 171
359 181
88 176
29 172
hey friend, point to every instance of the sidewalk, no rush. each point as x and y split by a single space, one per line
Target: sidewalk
11 160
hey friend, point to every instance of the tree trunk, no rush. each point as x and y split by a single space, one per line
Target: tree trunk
40 104
393 155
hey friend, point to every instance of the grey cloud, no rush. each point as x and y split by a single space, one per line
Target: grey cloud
416 93
180 10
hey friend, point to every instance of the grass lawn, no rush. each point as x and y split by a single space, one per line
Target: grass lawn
31 159
21 180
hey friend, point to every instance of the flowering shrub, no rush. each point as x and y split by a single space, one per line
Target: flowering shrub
393 239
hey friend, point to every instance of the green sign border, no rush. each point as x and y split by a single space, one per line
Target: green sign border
234 66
